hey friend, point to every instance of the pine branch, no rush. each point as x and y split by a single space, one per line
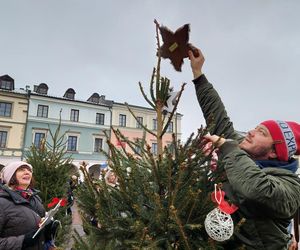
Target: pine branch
193 205
181 230
164 90
158 60
151 86
145 231
145 96
173 111
144 127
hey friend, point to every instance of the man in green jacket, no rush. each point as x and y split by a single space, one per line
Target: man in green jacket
259 167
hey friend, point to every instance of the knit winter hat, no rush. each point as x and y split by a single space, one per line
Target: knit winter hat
286 136
9 170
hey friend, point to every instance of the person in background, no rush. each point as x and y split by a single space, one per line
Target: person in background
260 170
21 209
73 183
111 179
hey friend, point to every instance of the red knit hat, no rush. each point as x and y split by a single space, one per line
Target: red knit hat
286 136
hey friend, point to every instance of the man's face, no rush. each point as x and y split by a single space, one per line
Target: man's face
258 143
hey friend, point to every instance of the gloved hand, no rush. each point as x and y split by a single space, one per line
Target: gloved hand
28 240
51 229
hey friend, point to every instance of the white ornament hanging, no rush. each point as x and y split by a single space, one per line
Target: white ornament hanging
171 101
218 224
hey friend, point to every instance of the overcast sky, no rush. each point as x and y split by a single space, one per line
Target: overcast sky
252 50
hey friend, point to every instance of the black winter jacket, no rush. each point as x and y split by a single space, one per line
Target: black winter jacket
18 217
267 194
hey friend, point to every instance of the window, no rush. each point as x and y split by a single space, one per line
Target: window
139 122
95 99
42 111
6 85
38 137
170 127
42 89
74 115
100 118
170 147
72 143
5 109
154 148
122 120
70 94
98 144
154 124
3 138
138 149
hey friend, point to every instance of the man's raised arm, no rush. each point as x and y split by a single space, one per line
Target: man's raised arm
209 100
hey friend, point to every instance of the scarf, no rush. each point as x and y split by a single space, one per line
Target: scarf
291 165
25 193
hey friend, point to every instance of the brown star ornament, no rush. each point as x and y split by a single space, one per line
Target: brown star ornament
176 45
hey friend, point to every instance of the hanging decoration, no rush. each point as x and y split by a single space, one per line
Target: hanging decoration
218 223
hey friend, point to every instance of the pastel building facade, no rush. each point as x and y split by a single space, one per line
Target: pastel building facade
124 121
28 116
13 116
83 124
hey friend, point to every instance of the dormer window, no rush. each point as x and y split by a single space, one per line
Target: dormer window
94 98
5 85
6 82
70 94
42 89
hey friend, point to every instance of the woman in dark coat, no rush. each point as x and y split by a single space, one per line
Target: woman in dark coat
21 209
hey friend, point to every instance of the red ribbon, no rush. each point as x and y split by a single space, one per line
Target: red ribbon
55 200
223 205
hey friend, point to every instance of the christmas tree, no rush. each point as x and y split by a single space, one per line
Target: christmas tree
51 172
161 200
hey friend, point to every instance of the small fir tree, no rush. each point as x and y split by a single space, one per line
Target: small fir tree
51 172
162 199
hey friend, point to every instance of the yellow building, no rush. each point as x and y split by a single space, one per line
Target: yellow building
13 115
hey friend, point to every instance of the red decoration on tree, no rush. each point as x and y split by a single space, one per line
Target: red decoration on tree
55 200
223 205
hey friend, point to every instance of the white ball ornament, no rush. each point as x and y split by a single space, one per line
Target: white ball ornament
219 225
